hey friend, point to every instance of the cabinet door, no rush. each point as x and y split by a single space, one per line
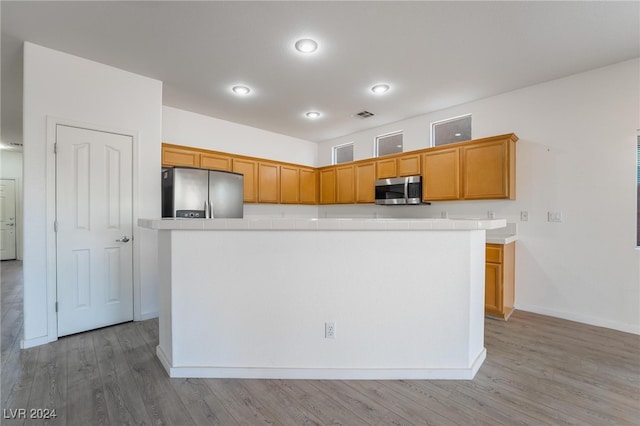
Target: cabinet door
365 182
180 157
268 183
386 168
408 165
493 289
485 170
308 186
345 180
441 175
328 186
289 184
249 169
215 162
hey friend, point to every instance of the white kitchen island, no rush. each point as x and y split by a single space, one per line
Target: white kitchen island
249 298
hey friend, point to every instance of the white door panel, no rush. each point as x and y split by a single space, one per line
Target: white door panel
7 219
93 212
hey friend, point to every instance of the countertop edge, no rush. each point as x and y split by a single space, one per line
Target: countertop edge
311 224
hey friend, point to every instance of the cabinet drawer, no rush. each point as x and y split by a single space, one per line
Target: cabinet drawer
493 253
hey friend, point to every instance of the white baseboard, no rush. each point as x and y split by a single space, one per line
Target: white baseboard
148 316
30 343
324 373
585 319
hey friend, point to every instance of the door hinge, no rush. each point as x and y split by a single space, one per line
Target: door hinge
55 226
56 306
55 148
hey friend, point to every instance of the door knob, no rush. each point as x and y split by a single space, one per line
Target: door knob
123 239
10 224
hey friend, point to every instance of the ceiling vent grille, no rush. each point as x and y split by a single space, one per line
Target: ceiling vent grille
364 114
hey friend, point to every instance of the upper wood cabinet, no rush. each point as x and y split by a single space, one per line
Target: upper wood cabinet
489 169
173 156
365 182
441 174
268 183
290 189
308 185
216 161
473 170
249 169
345 188
328 185
400 165
482 169
408 165
386 168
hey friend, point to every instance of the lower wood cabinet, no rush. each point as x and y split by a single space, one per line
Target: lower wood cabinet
499 280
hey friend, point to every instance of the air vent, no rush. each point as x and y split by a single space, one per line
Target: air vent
364 114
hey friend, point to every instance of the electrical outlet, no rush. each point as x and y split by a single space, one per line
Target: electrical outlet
524 216
330 330
443 215
491 214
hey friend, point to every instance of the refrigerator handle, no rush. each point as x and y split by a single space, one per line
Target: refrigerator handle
206 209
211 210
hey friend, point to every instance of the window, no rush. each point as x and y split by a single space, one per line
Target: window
456 129
343 153
391 143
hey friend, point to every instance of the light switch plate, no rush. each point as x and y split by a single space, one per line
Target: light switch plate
554 216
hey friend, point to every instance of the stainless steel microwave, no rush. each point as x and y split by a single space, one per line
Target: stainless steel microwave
402 190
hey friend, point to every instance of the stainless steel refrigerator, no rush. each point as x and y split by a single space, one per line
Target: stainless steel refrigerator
200 193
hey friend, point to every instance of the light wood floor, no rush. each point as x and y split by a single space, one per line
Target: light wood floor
539 370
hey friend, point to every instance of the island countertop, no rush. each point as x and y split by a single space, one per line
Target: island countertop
322 224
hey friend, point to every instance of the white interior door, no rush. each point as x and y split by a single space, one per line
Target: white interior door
94 247
7 219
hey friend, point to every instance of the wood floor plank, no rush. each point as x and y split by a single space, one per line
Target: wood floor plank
50 385
288 409
162 403
85 393
358 403
201 403
123 399
400 405
17 380
244 408
322 406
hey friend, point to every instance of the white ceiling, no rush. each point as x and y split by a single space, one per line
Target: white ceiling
433 54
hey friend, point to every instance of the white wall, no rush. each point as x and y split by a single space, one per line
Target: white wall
71 88
11 168
576 154
187 128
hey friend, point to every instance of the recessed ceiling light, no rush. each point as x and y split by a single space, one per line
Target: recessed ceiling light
241 90
306 45
380 88
313 114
